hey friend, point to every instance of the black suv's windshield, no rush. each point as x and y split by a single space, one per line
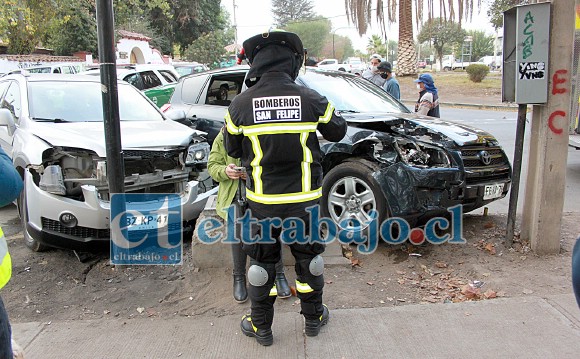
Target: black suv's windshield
351 94
82 102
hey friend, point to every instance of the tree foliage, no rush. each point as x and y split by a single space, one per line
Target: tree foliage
287 11
26 24
440 32
482 44
337 47
496 9
360 12
209 48
375 45
187 20
314 34
70 25
78 30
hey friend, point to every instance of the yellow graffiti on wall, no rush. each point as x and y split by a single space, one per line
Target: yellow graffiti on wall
577 17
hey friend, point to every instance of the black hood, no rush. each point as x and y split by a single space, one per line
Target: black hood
277 51
273 58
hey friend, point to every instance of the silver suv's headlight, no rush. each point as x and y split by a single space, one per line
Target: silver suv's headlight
197 153
52 181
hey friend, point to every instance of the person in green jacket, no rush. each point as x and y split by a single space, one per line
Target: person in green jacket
221 168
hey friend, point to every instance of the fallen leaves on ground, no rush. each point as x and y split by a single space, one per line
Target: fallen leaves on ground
444 287
485 246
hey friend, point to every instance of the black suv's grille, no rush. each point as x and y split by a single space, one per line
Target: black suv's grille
485 164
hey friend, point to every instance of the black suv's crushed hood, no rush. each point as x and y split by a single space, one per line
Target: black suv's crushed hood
423 128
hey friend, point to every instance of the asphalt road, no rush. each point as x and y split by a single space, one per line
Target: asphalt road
502 124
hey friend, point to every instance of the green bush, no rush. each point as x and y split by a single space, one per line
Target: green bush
477 72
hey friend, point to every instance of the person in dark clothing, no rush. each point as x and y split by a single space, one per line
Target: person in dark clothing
273 127
391 85
576 270
222 169
10 187
428 103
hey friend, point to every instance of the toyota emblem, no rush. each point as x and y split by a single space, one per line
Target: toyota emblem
485 157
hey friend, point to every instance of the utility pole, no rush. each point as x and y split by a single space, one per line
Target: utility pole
546 180
235 27
111 121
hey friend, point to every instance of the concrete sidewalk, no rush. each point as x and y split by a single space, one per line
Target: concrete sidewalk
523 327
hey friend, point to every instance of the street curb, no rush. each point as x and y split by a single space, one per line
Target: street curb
507 107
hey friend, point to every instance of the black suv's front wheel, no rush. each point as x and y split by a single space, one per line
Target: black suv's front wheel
349 193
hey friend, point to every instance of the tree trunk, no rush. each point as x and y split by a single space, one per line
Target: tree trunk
407 56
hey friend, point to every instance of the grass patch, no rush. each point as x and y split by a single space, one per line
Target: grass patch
457 79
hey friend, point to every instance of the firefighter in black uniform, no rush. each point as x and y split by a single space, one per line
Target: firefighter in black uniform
272 128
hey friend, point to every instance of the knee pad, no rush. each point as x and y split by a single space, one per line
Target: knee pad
311 274
257 275
316 266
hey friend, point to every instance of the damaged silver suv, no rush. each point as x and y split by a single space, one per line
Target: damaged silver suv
52 127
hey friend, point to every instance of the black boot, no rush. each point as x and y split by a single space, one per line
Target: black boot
312 326
240 291
282 287
263 336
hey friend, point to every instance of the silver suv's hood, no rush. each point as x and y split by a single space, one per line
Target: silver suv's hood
134 134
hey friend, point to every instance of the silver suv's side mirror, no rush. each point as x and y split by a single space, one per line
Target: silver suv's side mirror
176 115
7 120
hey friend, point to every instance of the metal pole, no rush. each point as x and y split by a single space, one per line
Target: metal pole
106 38
516 171
235 27
333 56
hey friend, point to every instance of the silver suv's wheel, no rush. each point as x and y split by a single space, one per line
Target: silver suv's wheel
30 242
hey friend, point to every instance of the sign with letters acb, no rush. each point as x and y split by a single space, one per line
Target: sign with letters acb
526 53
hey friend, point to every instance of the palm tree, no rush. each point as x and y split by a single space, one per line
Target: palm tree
407 56
359 12
375 45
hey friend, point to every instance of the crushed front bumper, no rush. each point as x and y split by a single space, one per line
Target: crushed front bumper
93 215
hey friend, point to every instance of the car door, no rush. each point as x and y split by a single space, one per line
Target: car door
163 93
152 86
205 110
11 100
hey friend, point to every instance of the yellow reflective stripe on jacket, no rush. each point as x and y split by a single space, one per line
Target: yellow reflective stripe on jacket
256 167
327 114
303 287
273 291
279 128
5 261
306 161
232 129
284 198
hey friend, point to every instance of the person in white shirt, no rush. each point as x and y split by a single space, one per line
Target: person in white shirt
372 74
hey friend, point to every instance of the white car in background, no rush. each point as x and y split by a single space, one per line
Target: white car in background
156 81
52 128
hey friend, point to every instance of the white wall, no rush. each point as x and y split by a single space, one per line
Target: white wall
145 54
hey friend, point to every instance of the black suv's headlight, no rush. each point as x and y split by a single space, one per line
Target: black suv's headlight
418 154
197 153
